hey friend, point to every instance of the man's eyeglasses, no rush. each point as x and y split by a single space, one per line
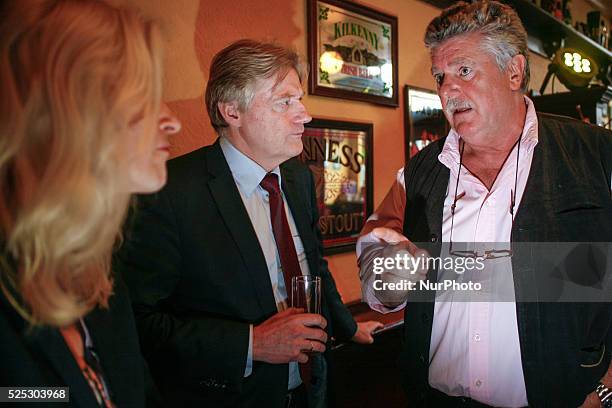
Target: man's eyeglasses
491 253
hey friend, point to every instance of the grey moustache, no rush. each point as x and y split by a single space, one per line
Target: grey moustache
453 105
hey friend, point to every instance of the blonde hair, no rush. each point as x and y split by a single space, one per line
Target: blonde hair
73 75
235 70
503 34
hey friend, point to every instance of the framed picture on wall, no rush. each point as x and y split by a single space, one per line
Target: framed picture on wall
352 51
424 120
339 155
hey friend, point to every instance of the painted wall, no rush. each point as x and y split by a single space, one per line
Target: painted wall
194 30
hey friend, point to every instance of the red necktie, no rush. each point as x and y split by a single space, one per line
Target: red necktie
284 244
282 233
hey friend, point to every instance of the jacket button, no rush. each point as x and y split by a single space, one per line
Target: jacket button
425 318
422 358
433 238
208 382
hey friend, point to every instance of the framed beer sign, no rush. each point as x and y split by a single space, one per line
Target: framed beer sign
352 51
424 120
339 155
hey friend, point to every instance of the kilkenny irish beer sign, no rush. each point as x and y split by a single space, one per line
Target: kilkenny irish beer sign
339 155
353 52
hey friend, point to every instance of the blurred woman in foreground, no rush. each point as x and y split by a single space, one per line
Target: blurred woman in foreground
81 128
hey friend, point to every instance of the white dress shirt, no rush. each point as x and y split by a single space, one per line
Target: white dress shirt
474 348
248 174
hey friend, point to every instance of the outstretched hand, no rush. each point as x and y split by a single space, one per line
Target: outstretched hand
388 235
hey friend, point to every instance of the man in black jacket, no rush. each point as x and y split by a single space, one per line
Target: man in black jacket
504 176
208 284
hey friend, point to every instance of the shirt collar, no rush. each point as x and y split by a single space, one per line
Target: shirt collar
246 172
529 138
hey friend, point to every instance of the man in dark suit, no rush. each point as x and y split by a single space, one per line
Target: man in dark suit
208 260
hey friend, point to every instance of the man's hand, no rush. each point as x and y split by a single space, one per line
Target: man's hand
393 237
592 400
363 335
399 245
288 336
395 245
388 235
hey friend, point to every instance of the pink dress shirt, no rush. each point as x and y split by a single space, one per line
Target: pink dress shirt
474 349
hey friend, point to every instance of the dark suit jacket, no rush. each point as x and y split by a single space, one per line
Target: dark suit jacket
198 278
40 357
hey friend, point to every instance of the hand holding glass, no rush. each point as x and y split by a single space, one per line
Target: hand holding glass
306 293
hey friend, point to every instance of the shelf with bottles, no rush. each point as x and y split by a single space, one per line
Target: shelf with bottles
591 105
548 33
551 30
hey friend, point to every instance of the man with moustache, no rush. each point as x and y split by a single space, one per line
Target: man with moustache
209 260
503 174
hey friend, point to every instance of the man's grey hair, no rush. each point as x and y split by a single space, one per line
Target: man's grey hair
503 34
236 69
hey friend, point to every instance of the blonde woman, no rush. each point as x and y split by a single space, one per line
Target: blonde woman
81 128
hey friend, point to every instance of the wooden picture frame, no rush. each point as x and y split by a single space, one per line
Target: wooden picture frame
353 52
424 120
340 155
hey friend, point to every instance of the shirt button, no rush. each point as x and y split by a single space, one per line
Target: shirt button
477 337
478 383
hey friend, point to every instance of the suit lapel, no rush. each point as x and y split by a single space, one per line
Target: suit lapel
435 201
52 354
229 203
52 345
108 342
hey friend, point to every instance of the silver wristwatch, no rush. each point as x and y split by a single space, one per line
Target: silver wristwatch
605 395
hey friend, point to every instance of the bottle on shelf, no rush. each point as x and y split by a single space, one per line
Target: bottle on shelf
594 22
567 12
